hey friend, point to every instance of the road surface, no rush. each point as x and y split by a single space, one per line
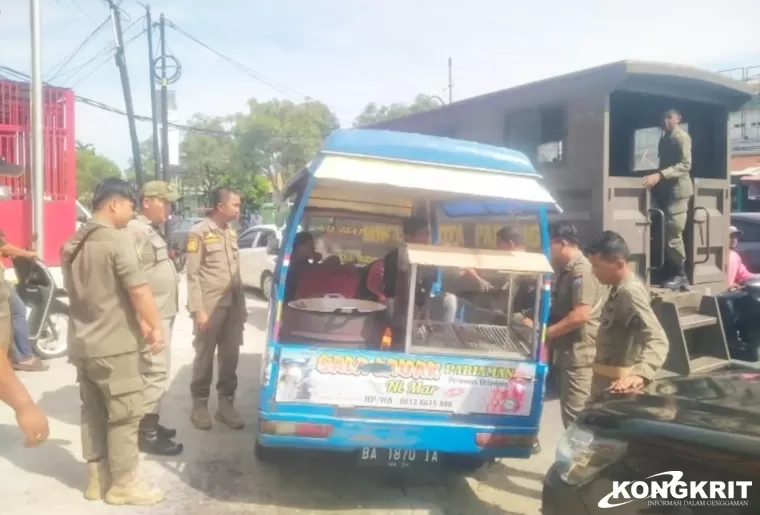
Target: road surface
218 474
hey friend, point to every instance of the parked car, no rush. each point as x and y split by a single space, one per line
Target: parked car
256 257
749 242
690 429
179 228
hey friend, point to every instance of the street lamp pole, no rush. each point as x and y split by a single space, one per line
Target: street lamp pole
38 132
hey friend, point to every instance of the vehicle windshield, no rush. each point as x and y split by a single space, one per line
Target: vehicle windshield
458 309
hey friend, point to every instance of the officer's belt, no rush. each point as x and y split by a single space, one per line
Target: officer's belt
611 371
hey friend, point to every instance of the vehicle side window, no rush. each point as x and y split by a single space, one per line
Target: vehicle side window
264 239
750 231
247 239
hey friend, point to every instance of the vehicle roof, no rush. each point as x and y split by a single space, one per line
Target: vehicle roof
261 227
421 148
640 76
685 408
746 217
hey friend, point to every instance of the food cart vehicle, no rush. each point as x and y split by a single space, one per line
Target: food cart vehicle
399 385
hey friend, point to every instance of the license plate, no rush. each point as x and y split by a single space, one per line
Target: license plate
397 458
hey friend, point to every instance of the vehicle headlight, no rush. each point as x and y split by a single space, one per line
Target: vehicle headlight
581 454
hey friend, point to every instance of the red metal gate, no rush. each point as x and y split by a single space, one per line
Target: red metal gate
60 166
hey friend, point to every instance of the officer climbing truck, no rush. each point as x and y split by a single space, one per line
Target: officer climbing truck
594 136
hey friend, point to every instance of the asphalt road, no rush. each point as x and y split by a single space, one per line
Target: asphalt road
218 474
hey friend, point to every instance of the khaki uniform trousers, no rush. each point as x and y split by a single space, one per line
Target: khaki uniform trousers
225 333
575 385
157 368
111 389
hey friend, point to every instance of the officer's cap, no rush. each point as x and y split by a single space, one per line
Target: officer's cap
159 189
10 170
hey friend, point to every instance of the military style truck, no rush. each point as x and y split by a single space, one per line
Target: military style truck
593 135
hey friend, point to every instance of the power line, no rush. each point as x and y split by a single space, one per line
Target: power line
79 8
107 50
103 63
285 90
66 60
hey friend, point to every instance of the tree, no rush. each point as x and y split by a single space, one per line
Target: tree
91 169
209 160
375 113
278 138
146 154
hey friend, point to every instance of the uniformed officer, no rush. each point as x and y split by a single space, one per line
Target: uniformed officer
31 420
155 203
671 190
217 304
112 319
577 299
631 345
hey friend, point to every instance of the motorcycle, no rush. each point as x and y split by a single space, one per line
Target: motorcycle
178 256
47 313
739 312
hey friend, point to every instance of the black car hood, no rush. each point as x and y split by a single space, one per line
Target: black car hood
727 402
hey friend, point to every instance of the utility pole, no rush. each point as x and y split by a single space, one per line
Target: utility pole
164 104
38 134
451 83
154 106
121 62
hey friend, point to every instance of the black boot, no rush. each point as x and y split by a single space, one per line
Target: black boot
166 432
679 282
150 441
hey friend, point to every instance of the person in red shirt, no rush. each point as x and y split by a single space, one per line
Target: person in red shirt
737 272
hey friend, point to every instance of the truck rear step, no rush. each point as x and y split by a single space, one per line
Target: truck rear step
693 325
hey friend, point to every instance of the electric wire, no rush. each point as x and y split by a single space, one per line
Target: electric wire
61 65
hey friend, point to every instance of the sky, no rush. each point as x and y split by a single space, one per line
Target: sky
347 53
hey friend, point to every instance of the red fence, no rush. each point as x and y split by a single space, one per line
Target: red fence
60 166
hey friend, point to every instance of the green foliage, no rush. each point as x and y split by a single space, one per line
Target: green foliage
375 113
91 169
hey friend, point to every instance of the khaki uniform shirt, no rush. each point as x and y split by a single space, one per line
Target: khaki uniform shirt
574 285
159 270
675 166
102 320
213 268
630 334
6 331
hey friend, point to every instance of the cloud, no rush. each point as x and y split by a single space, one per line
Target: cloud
349 52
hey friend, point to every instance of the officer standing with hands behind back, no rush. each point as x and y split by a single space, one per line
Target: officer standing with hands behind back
156 199
217 304
112 315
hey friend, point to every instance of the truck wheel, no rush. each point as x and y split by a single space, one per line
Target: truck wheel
52 341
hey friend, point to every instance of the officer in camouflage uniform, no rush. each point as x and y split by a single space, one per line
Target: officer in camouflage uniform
112 319
671 191
155 205
631 345
577 299
216 302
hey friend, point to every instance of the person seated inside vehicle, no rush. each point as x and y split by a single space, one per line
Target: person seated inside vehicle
524 295
737 272
304 254
416 230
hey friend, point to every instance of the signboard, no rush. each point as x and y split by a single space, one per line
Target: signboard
364 242
396 381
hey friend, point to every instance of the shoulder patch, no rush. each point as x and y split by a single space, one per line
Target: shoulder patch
577 279
193 244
